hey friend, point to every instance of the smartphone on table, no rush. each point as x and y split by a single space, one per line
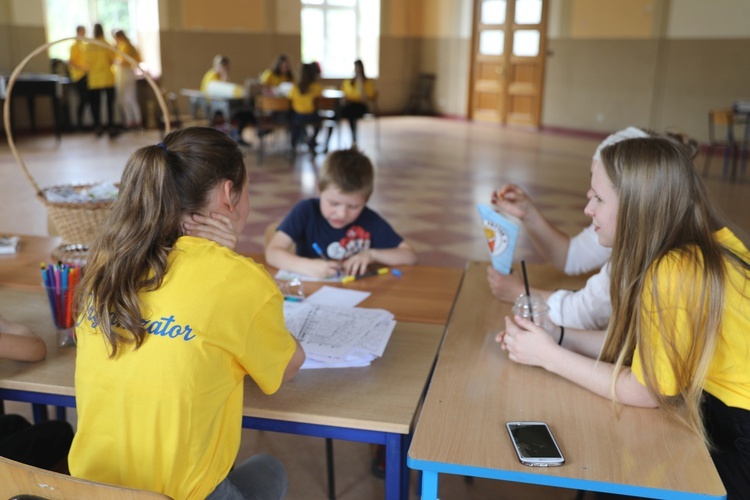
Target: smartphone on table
534 444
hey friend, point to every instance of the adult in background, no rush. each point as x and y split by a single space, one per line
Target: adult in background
125 91
78 69
101 82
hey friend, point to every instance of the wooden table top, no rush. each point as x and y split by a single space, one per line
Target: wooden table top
53 375
21 269
382 397
422 295
476 389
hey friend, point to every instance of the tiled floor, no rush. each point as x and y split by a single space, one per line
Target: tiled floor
431 173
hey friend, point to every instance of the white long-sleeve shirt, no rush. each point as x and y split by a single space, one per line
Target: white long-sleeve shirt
590 307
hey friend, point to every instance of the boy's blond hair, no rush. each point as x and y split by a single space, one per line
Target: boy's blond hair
349 170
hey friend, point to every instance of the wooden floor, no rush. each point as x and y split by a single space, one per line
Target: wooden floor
431 173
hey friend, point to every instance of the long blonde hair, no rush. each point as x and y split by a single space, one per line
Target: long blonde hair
160 184
665 215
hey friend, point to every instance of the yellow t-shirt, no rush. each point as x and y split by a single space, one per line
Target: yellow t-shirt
304 104
77 61
167 417
352 92
99 61
271 79
728 376
211 76
127 49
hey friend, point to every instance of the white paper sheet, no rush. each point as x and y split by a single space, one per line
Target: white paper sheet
288 275
339 336
339 297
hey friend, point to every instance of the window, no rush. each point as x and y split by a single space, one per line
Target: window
139 19
337 32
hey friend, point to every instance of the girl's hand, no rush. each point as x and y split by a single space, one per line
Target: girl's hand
320 268
357 264
526 342
217 227
505 287
513 200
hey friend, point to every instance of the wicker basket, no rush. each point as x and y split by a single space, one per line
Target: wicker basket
78 223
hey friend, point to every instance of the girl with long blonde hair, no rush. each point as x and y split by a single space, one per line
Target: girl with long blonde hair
679 336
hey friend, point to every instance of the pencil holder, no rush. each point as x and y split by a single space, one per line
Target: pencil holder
60 283
292 289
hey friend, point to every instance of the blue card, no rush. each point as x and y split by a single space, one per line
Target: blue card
501 234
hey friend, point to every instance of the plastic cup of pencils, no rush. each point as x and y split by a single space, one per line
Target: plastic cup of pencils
535 308
59 282
60 304
292 289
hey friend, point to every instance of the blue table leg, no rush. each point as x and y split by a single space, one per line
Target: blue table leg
393 458
405 471
40 413
429 485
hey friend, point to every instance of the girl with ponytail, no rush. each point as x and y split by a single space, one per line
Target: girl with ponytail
170 323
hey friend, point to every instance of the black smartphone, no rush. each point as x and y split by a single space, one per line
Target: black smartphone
534 444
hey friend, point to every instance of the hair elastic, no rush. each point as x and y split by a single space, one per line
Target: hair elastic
163 148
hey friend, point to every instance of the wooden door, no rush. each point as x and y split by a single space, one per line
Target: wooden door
508 55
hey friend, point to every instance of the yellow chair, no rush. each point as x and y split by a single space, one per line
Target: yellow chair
25 481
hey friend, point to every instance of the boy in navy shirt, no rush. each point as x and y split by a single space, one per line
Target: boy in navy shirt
337 231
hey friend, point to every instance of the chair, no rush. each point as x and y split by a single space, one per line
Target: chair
420 100
374 115
721 134
19 481
328 110
272 114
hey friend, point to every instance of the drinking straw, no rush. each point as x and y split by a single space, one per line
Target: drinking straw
526 285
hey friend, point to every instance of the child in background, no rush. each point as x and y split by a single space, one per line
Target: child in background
281 72
359 92
219 72
680 295
169 326
43 445
349 235
304 111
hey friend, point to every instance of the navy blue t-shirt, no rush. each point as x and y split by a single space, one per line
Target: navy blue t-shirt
305 225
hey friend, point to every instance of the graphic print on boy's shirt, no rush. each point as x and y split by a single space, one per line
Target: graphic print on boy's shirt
355 241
